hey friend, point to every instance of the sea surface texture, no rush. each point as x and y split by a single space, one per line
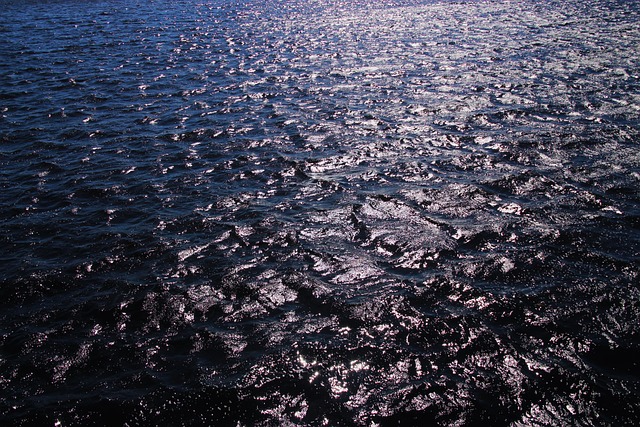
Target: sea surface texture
312 213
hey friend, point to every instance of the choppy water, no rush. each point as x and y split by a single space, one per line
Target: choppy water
298 213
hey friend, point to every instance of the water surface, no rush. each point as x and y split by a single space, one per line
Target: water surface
317 213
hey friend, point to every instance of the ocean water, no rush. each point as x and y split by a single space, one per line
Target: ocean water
312 213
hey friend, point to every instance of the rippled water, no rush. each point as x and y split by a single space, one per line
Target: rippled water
319 213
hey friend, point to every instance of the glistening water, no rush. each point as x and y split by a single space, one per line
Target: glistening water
310 213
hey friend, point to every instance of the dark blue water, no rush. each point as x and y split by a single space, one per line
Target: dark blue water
319 213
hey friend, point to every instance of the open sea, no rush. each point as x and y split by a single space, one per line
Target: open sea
319 213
